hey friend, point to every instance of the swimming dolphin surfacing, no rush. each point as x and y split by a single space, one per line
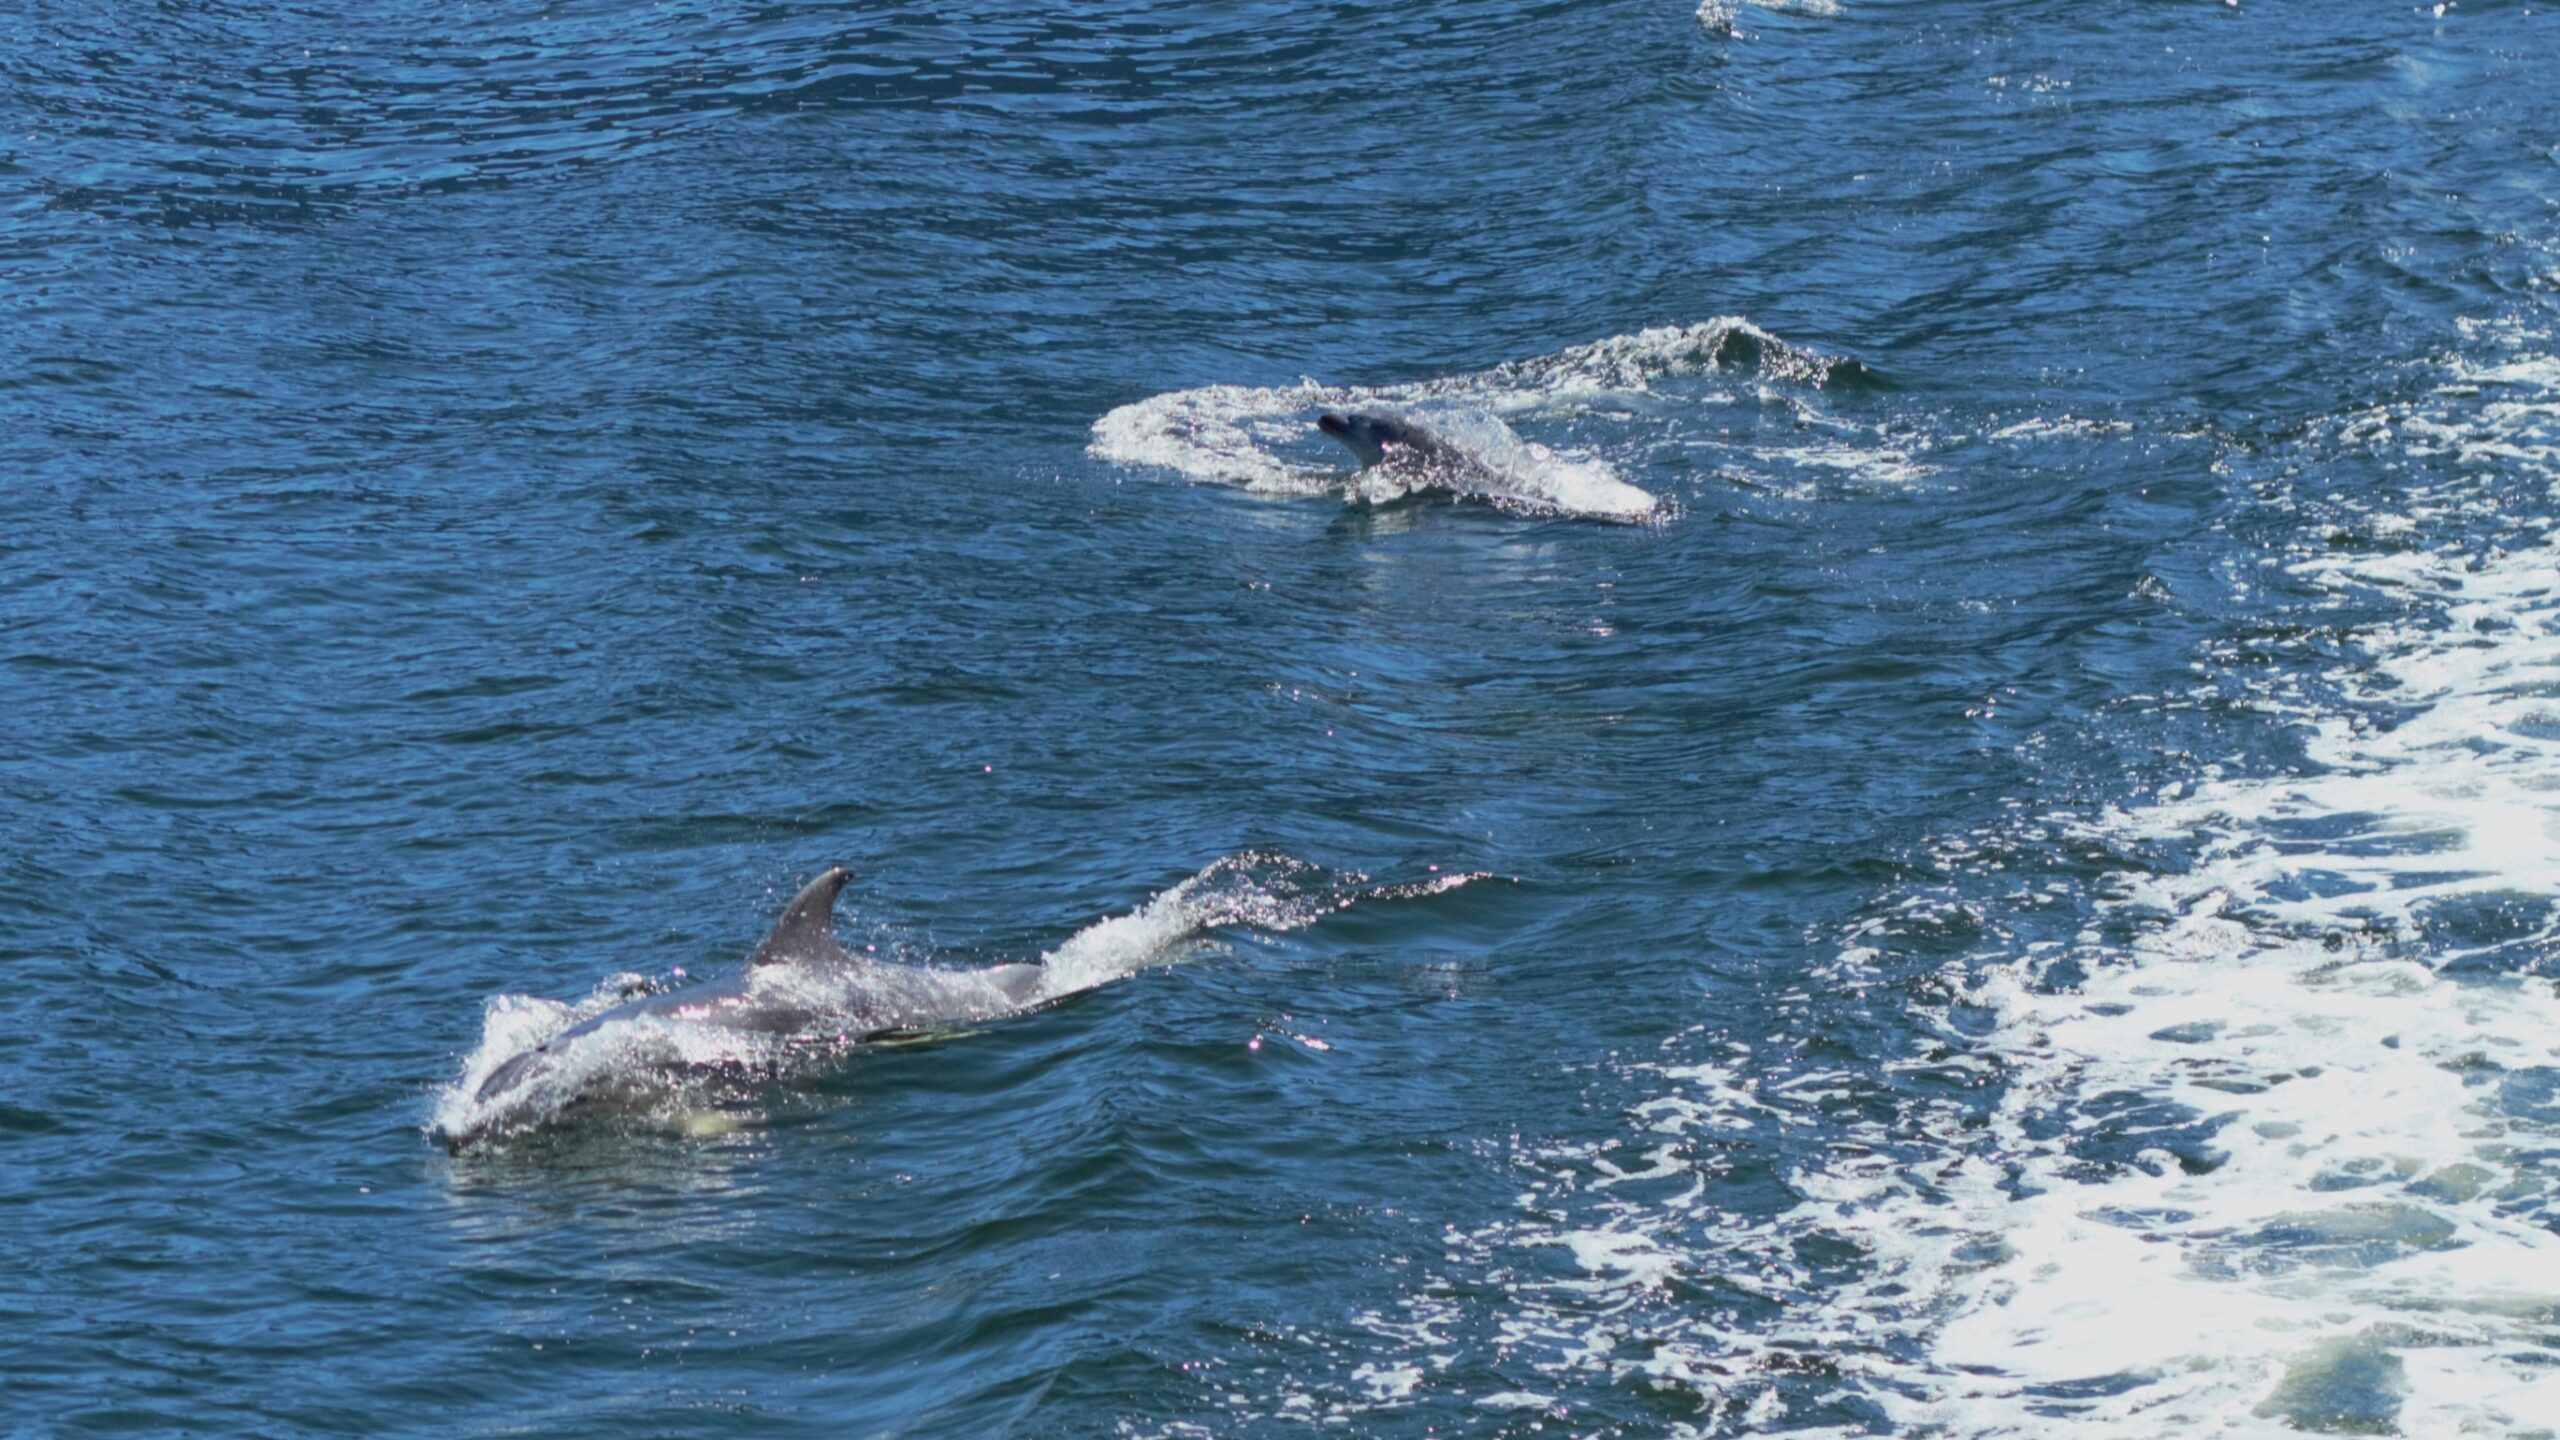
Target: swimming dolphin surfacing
798 982
1381 437
1476 456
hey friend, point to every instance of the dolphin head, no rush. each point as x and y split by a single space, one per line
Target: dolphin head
803 936
1366 432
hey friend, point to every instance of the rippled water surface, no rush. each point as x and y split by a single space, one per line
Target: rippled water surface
2017 899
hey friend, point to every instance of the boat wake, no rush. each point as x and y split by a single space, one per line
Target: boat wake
2277 1148
2266 1141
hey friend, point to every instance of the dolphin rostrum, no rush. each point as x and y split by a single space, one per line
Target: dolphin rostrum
798 983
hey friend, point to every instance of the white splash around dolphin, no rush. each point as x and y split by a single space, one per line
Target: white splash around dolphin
1249 437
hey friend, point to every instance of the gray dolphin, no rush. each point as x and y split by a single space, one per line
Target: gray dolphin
1476 456
798 981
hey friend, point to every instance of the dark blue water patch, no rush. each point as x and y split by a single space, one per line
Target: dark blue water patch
2530 1092
2348 1386
2491 934
2106 1133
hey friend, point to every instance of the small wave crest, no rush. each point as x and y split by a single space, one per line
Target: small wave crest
1264 440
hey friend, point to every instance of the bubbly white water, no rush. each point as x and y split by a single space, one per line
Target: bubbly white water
1252 438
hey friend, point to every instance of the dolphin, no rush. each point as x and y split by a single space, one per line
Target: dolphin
798 982
1476 456
1371 434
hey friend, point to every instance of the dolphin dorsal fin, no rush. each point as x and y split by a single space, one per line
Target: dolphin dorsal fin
806 930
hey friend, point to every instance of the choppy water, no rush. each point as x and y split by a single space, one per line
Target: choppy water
2018 901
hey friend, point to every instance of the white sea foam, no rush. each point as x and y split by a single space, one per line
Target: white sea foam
2044 426
1253 438
1616 1268
1877 464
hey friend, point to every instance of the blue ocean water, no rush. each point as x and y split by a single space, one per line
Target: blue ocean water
2017 901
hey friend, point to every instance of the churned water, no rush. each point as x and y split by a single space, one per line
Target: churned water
1956 838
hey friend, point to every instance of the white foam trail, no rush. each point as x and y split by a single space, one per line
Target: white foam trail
1616 1271
2353 1227
1242 436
